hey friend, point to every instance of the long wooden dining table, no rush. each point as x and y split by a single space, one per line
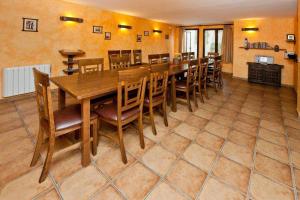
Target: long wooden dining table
85 87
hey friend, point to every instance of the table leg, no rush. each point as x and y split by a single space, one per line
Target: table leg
61 99
173 93
85 132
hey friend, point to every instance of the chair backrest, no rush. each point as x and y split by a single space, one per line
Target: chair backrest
192 73
137 56
90 65
119 62
43 99
131 89
165 58
185 56
203 67
191 55
212 54
158 80
154 58
126 52
111 54
218 62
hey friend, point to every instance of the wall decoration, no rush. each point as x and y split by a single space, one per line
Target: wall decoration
30 25
139 38
107 35
146 33
97 29
290 37
71 19
167 36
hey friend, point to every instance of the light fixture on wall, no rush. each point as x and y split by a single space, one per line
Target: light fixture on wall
71 19
124 26
157 31
250 29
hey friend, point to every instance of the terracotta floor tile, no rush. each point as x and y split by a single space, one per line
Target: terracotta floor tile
158 159
6 138
224 120
161 132
293 133
110 162
196 121
83 184
10 125
187 131
209 141
248 119
240 138
251 112
272 150
51 195
271 117
294 144
297 177
273 169
238 153
271 136
273 126
217 129
109 193
245 128
133 178
199 156
209 107
7 108
296 158
232 173
204 113
26 186
232 106
164 192
263 188
180 115
187 178
214 190
228 113
175 143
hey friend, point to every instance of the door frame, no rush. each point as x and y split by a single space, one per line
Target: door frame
194 29
216 38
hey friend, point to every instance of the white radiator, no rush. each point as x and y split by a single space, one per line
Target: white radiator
20 80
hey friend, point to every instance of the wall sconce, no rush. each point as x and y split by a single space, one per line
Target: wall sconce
250 29
157 31
124 26
71 19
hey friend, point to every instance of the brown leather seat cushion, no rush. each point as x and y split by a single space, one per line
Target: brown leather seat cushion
69 116
110 112
181 84
155 98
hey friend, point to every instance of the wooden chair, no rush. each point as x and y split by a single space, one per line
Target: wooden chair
126 53
202 78
157 92
90 65
185 56
214 73
120 62
154 59
191 55
137 56
55 124
165 58
189 85
111 54
129 107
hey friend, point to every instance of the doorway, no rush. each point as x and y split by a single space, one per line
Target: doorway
212 41
190 41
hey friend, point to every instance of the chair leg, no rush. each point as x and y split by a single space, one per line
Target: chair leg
195 97
205 91
121 143
200 92
48 160
188 100
164 106
39 142
95 137
152 120
141 133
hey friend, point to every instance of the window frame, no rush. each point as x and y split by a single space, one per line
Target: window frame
216 38
198 41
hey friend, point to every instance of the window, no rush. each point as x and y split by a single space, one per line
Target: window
212 41
190 41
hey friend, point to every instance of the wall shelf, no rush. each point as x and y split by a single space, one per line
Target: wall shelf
269 48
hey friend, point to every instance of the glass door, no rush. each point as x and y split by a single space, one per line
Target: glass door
212 41
190 41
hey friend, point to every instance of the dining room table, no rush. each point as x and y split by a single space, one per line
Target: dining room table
88 86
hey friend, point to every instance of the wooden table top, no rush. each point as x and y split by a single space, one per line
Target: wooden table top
90 85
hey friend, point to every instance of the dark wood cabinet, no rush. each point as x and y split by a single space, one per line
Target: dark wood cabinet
269 74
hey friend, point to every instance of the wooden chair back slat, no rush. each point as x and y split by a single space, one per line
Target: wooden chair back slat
126 53
165 58
192 72
203 67
185 56
154 58
91 65
112 54
120 62
158 79
137 56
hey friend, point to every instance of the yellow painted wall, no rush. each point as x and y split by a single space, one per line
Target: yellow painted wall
271 30
297 71
25 48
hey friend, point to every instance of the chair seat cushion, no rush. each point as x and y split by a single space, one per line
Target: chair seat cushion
181 84
110 112
155 99
69 116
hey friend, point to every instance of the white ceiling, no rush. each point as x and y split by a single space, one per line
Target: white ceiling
191 12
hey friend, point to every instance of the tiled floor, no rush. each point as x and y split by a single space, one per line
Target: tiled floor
243 143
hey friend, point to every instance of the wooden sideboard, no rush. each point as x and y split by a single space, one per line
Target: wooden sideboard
269 74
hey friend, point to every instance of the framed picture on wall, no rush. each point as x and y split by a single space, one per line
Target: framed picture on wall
30 25
97 29
290 37
107 35
167 36
139 38
146 33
